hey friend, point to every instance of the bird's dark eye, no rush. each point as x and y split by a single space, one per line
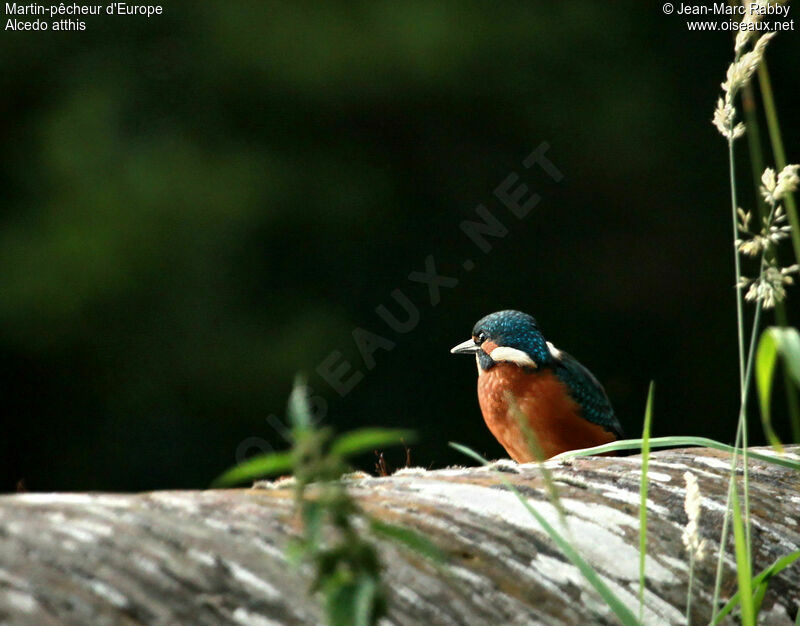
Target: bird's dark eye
480 338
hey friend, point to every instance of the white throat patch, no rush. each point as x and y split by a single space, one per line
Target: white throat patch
504 354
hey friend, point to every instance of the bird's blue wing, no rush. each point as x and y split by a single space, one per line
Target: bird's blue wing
587 391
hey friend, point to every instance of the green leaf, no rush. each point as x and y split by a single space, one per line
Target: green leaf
758 597
762 579
648 416
775 342
368 439
410 539
743 569
256 467
677 441
619 608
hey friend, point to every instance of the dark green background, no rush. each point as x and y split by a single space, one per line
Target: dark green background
198 206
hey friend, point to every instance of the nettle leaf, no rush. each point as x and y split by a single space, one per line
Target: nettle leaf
299 405
354 602
368 439
256 467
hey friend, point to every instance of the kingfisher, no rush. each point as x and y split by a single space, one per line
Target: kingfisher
534 395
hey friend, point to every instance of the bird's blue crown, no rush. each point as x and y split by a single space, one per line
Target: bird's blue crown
515 329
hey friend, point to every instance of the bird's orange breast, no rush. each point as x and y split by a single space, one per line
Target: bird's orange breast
544 402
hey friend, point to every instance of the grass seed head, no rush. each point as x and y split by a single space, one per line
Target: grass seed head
691 533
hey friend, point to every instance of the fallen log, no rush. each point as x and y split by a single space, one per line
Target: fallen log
219 556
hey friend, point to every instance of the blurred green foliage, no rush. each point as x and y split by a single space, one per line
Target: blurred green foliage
199 205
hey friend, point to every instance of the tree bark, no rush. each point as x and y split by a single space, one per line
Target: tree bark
214 557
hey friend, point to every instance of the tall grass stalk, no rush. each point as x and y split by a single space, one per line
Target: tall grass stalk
742 425
741 438
743 381
723 540
744 570
648 415
736 260
689 586
737 77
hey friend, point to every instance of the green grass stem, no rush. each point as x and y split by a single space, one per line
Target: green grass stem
743 565
648 416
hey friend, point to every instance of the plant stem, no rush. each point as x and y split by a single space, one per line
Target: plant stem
754 144
736 260
774 129
743 376
741 439
689 590
722 541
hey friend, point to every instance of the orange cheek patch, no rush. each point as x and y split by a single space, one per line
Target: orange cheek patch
488 346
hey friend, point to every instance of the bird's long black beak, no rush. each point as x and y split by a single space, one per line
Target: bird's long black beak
467 347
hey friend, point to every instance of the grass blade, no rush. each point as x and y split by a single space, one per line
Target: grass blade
758 597
762 579
648 415
536 449
787 344
667 442
619 608
766 358
775 342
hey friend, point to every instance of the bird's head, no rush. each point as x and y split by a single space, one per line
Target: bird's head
507 337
